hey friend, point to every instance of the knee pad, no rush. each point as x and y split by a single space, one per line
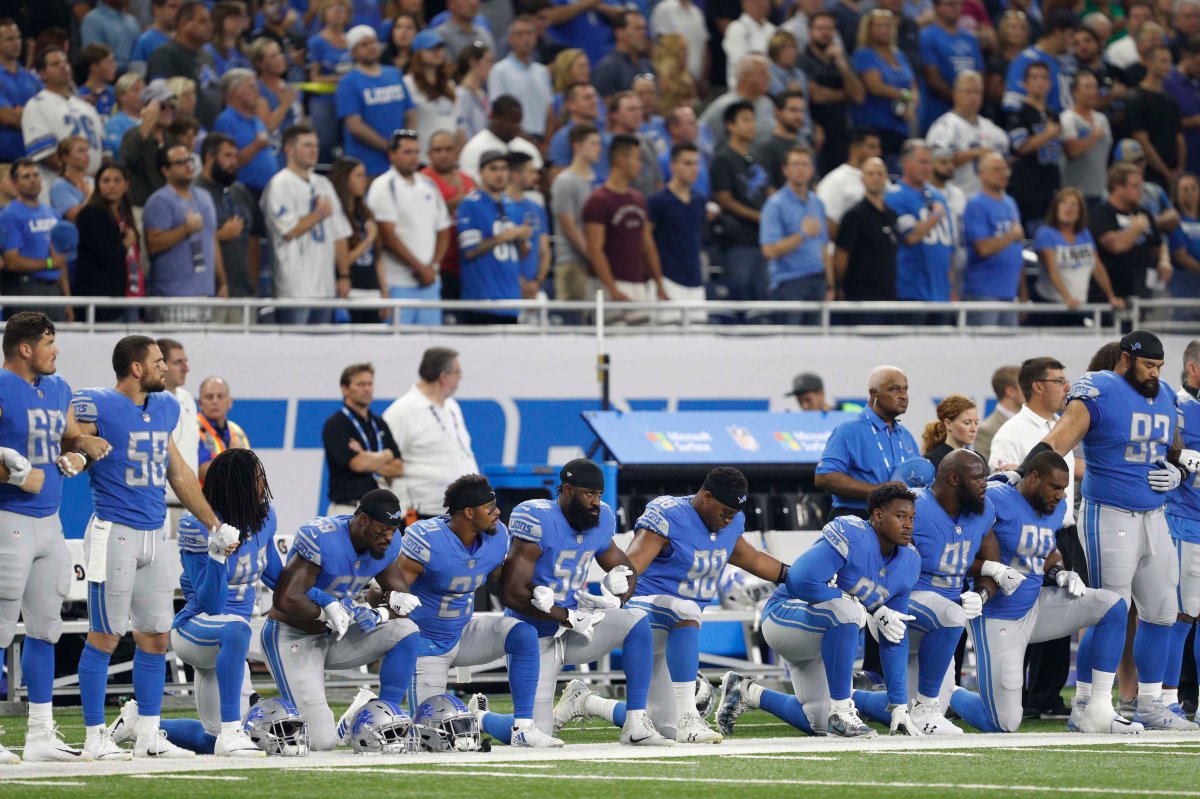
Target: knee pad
49 630
521 637
952 615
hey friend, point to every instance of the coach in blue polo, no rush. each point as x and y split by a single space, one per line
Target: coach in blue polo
870 449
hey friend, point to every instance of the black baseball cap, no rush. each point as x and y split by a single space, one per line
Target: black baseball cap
582 473
382 506
492 155
1142 344
804 383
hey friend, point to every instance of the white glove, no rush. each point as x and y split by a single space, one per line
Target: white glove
1072 582
18 466
617 580
66 464
336 618
1009 579
1165 478
901 723
972 604
401 604
222 538
1190 460
890 624
605 601
1012 477
543 598
584 621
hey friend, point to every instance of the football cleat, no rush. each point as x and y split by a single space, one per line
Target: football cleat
101 747
706 697
570 706
692 729
122 730
46 745
1156 716
1177 710
929 718
639 731
1098 717
155 745
847 724
1079 706
363 696
236 744
7 758
526 734
733 701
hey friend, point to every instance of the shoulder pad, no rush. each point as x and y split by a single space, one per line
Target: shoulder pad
307 543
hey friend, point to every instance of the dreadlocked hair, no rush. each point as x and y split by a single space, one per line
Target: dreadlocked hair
232 489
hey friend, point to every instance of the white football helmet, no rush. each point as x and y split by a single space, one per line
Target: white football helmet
740 590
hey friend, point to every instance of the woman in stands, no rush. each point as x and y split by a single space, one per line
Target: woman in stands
890 106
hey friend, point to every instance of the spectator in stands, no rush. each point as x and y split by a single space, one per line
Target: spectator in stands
616 71
1154 199
8 192
32 267
670 58
620 244
684 18
683 128
789 132
281 24
109 265
749 33
1036 140
186 131
908 32
570 68
890 103
800 23
1155 122
17 87
785 74
833 87
279 106
462 28
1054 41
968 134
328 61
239 121
863 453
523 181
371 102
865 258
586 25
625 118
430 88
471 101
55 113
956 427
1012 37
946 51
493 242
579 103
1185 245
843 187
1183 86
455 185
360 269
128 92
504 134
1185 23
230 22
240 225
139 148
793 235
360 453
1007 389
414 228
545 47
183 55
1122 53
753 78
1129 239
740 187
110 24
217 431
568 194
1087 140
95 71
1087 48
71 189
398 51
994 239
677 217
519 75
925 232
1068 257
164 13
304 219
653 128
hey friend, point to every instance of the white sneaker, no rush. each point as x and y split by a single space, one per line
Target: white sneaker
101 747
122 729
639 731
526 734
155 744
236 744
570 707
928 717
692 729
1099 717
46 745
344 724
848 724
1079 706
7 758
478 704
1155 716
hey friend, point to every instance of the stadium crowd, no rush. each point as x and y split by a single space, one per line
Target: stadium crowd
520 148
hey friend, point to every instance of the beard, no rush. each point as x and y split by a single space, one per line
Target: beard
1147 388
581 517
222 176
969 501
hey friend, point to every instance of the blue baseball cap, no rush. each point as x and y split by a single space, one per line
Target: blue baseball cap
427 40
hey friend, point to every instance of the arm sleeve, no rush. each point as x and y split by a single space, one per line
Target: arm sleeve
837 456
808 577
894 657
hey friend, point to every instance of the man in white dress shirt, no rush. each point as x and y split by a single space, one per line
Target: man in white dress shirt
428 427
187 431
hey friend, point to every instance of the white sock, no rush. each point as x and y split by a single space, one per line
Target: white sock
230 727
1083 690
839 705
1101 686
40 715
685 698
1148 692
925 700
1170 696
596 705
753 693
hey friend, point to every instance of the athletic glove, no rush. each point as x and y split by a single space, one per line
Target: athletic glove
401 604
366 618
1011 477
1165 478
617 580
1189 459
584 622
543 598
1007 578
67 466
17 464
336 618
890 624
972 604
220 539
901 723
605 601
1072 582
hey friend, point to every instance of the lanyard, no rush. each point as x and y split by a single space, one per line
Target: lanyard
887 461
457 437
362 433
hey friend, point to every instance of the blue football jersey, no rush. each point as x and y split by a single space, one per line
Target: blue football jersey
32 421
452 574
947 546
1183 504
566 552
496 274
325 542
689 565
1128 435
922 270
129 486
1026 539
203 580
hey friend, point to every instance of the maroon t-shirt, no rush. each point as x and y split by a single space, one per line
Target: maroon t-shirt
624 217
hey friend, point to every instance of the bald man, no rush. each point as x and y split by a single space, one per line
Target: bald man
995 242
217 432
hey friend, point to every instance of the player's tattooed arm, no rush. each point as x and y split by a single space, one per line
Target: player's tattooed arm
613 557
516 582
185 485
757 562
644 549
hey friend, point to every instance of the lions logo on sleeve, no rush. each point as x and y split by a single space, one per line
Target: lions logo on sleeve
1085 388
527 520
836 536
657 516
416 545
193 536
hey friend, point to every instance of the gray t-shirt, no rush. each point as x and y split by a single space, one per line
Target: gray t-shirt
568 193
1089 171
187 269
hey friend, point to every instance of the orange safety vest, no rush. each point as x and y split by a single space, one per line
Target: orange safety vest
212 440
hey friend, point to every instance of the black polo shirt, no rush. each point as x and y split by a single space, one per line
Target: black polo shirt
1127 270
868 234
347 487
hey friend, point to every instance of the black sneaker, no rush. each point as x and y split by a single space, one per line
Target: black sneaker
1058 710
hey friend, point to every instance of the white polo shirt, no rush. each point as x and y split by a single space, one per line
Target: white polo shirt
1018 436
435 445
415 207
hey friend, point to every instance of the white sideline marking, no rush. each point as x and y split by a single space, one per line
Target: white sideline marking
952 754
789 757
646 760
186 777
1079 751
506 765
45 784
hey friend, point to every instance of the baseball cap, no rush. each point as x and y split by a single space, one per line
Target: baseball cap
157 90
940 149
1128 150
1142 344
382 506
427 40
492 155
359 34
582 473
804 383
